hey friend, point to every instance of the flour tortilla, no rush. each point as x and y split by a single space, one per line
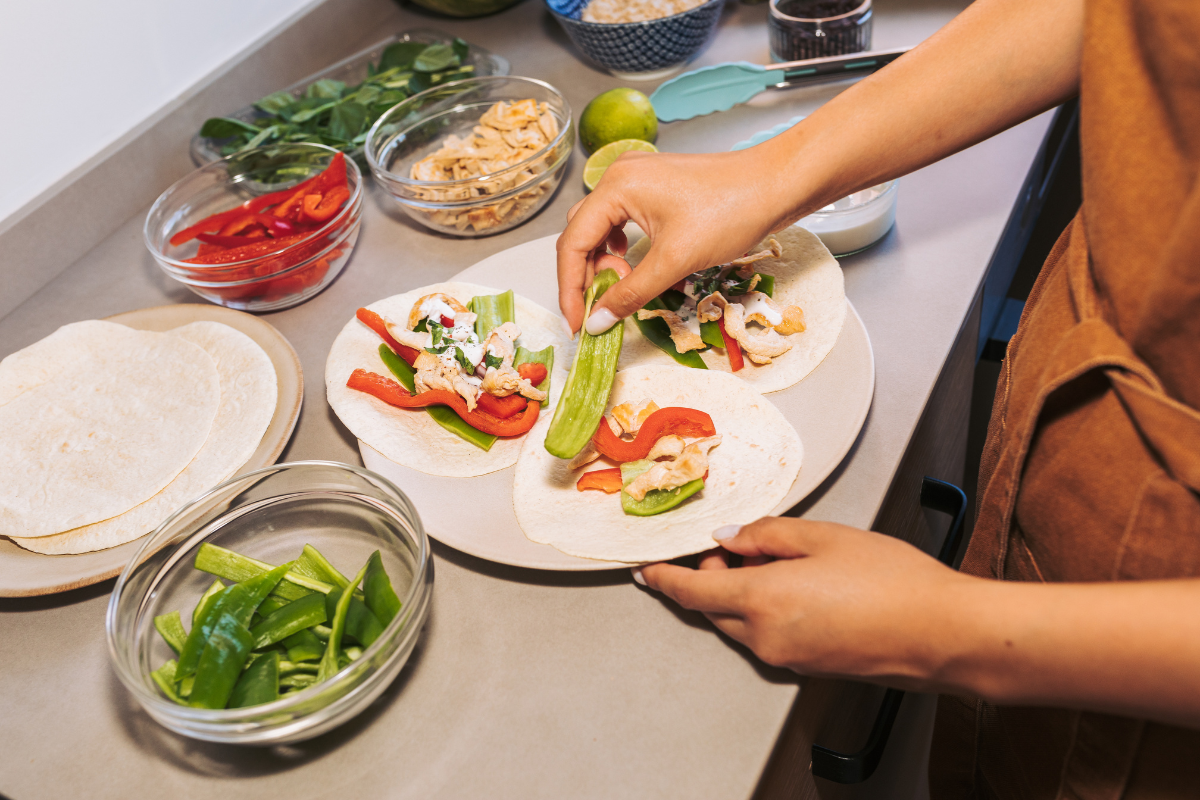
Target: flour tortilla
750 473
248 397
410 437
98 418
807 276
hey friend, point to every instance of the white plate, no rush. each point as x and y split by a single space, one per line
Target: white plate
475 515
25 574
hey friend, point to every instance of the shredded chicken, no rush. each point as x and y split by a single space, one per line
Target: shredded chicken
433 372
418 340
681 335
760 347
507 135
710 308
502 341
585 456
505 381
669 446
774 250
461 315
691 464
793 321
631 415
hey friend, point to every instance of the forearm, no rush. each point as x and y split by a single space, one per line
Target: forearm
1129 648
998 63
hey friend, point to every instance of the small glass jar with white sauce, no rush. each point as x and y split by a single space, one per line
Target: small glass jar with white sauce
854 223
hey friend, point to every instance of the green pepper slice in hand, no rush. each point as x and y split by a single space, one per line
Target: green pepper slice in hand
585 395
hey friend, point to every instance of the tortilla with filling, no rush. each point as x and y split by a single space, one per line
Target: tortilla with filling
248 398
98 418
410 437
806 275
750 472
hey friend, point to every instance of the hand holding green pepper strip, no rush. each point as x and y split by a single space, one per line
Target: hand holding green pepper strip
589 384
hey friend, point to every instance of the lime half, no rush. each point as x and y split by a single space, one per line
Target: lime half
599 161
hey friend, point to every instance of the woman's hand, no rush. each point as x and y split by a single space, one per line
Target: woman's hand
836 601
698 210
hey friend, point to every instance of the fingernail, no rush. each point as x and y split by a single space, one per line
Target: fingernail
601 320
726 532
567 330
637 575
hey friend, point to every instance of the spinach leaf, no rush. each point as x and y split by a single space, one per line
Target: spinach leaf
436 57
492 360
462 359
461 49
400 54
326 88
275 103
224 127
264 136
348 120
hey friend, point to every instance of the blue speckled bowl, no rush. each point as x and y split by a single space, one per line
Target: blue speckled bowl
639 50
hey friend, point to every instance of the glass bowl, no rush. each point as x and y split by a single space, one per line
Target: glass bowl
475 206
270 514
854 223
267 283
640 51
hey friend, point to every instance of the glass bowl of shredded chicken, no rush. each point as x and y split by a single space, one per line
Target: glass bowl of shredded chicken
473 157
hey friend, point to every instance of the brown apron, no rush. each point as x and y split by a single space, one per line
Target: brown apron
1091 471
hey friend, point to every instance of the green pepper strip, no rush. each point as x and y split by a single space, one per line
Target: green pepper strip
212 591
585 394
164 676
656 501
258 684
170 627
377 588
766 285
239 602
313 565
296 616
710 333
274 602
659 333
292 668
361 625
304 646
220 665
544 356
492 311
299 681
236 567
329 662
442 415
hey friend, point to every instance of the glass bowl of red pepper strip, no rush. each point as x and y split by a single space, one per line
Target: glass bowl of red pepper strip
239 241
484 204
241 531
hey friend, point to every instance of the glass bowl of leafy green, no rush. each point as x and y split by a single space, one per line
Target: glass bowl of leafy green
337 106
275 607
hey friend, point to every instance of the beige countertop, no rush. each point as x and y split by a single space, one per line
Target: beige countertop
525 684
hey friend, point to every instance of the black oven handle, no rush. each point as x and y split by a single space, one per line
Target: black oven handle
857 767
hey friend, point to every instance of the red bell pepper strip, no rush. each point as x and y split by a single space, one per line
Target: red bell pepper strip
606 480
731 347
331 176
238 225
375 322
255 249
674 419
502 407
533 372
320 208
394 394
227 242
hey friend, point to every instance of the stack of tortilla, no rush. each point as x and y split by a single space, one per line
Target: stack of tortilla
108 430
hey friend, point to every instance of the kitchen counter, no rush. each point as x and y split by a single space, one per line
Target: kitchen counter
525 684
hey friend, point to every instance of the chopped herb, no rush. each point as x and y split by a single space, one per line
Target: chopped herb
491 360
462 359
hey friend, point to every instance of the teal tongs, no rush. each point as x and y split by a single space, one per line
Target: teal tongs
723 86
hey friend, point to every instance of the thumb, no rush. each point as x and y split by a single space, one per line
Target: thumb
650 279
773 536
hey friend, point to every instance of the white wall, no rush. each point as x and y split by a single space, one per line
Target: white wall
78 74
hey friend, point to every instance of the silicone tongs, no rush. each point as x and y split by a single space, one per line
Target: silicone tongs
723 86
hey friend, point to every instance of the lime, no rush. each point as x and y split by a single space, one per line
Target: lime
617 114
600 160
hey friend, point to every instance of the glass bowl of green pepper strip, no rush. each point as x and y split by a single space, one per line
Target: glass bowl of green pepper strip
275 607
